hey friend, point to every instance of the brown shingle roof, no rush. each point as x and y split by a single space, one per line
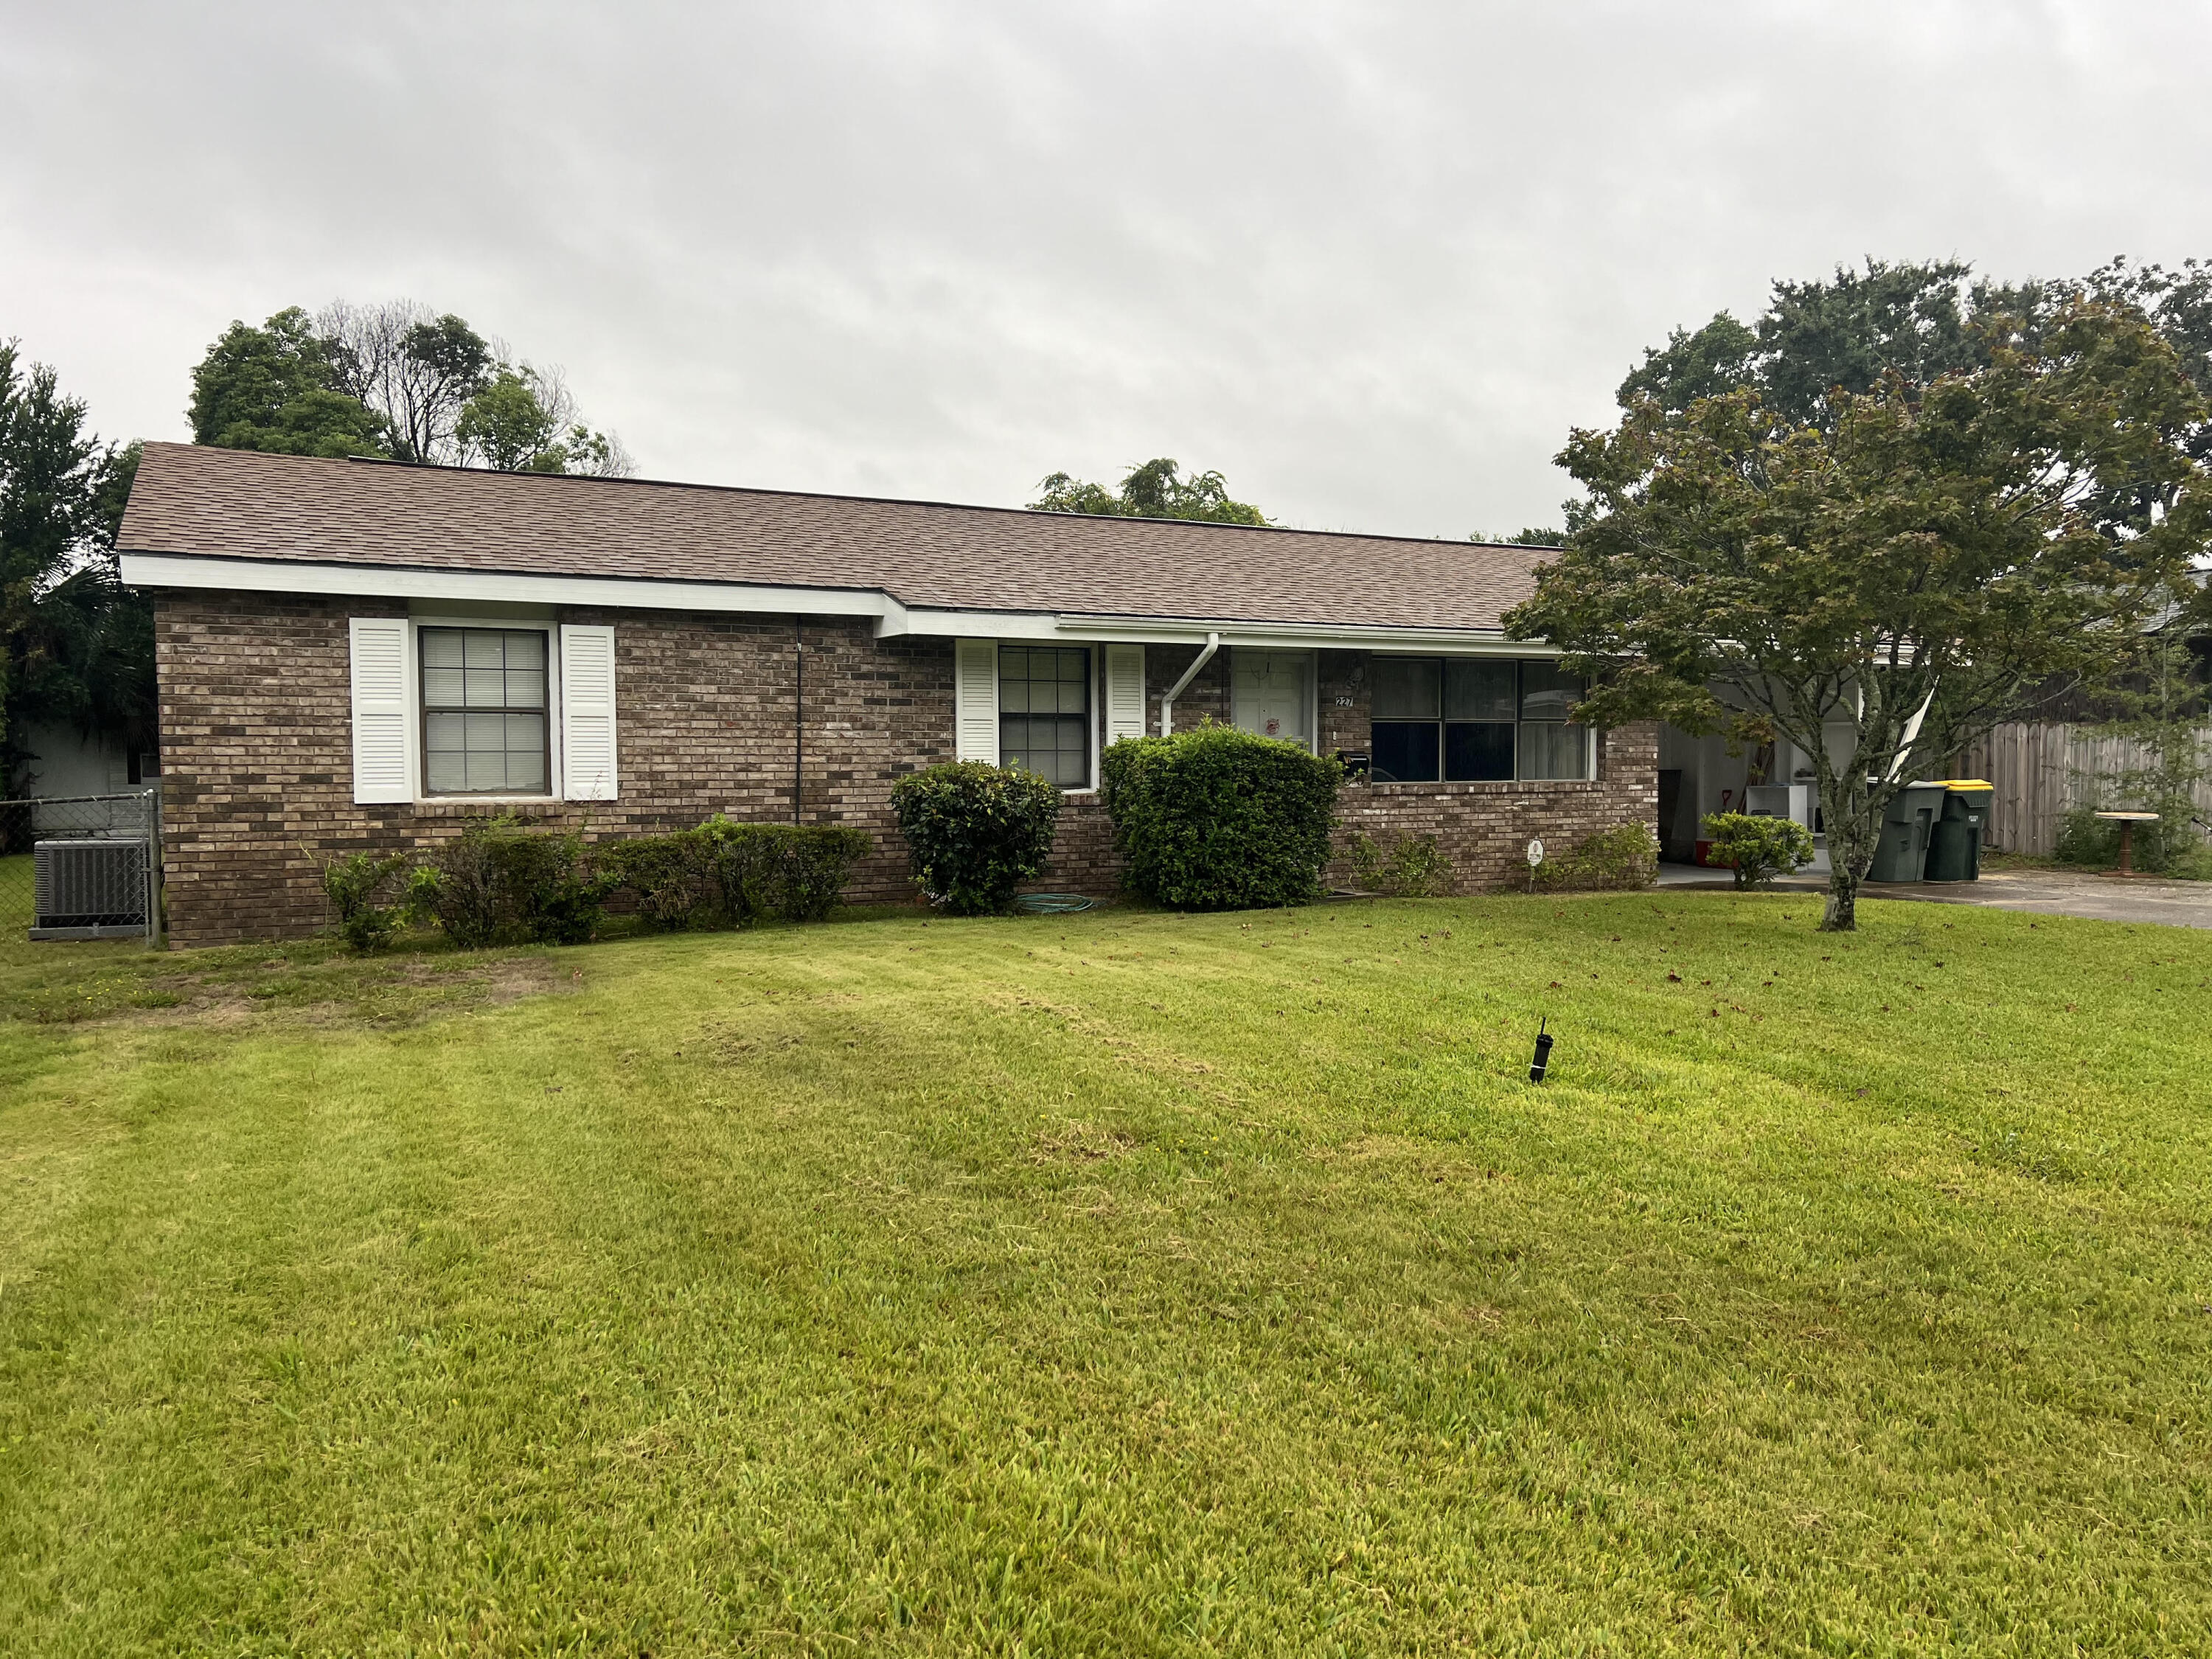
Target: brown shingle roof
238 504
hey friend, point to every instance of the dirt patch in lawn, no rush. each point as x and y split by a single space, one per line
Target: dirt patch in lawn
314 990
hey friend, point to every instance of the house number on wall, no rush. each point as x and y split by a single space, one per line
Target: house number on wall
1344 702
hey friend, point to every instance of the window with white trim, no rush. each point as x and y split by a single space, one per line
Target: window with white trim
1458 719
1044 711
486 725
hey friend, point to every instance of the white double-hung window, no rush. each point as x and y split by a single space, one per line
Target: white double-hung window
487 711
497 710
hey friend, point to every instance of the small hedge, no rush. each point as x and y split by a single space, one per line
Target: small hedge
736 875
1758 848
357 886
1219 819
975 832
1626 856
502 882
499 882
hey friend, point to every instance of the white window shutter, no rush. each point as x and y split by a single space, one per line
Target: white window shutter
975 700
589 770
1125 692
383 710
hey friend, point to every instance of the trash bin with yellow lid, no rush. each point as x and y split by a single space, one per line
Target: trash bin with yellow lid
1954 840
1901 854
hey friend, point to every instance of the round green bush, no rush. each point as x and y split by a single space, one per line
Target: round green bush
975 832
1758 848
1219 819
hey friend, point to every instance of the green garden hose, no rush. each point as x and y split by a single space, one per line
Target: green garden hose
1051 904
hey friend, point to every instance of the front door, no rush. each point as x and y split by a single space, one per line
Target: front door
1272 693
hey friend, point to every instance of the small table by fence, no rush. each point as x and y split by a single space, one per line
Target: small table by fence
2127 821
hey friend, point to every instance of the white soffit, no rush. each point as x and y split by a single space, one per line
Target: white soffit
891 618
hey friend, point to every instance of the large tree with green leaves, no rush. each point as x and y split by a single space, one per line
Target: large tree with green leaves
276 388
525 421
1155 489
77 647
1894 570
1845 333
396 379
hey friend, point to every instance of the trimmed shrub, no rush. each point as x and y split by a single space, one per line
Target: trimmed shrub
1758 848
499 881
354 885
1622 858
671 875
1414 866
795 873
458 890
731 875
1220 819
975 832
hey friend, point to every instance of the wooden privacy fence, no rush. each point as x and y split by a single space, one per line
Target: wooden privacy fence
2043 772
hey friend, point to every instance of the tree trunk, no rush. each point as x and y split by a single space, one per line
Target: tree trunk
1853 817
1841 914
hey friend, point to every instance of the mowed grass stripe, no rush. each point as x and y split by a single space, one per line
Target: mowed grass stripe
1108 1285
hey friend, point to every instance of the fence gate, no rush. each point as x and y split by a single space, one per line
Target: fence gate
82 867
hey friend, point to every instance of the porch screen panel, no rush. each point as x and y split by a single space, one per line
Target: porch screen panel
1549 746
1407 700
1480 695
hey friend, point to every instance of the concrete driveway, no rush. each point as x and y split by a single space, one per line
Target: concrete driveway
2047 892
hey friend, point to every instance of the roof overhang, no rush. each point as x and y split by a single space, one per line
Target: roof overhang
891 618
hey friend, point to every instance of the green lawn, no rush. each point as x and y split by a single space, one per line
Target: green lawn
1118 1284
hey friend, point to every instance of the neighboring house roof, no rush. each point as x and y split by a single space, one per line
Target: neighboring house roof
199 502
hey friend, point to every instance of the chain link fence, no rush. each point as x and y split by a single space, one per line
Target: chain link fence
84 866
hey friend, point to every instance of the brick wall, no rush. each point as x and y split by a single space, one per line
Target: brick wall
257 754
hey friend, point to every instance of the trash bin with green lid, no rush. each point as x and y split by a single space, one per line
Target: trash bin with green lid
1954 842
1901 854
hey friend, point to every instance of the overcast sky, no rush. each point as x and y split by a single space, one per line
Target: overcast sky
1370 260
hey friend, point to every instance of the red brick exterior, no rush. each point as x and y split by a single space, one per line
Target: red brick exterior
257 754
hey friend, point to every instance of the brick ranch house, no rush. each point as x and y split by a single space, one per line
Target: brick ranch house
365 654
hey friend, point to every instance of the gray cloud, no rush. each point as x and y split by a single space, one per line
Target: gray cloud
1371 260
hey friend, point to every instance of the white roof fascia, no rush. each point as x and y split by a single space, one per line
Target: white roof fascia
492 586
890 617
1340 636
1179 630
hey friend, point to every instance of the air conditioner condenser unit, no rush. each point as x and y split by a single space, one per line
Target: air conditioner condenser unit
88 888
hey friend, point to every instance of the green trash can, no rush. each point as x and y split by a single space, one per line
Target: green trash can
1901 854
1954 844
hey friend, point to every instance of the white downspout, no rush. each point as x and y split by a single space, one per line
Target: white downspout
1167 703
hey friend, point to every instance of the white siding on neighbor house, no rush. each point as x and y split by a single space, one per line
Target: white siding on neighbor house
384 711
975 700
65 762
588 761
